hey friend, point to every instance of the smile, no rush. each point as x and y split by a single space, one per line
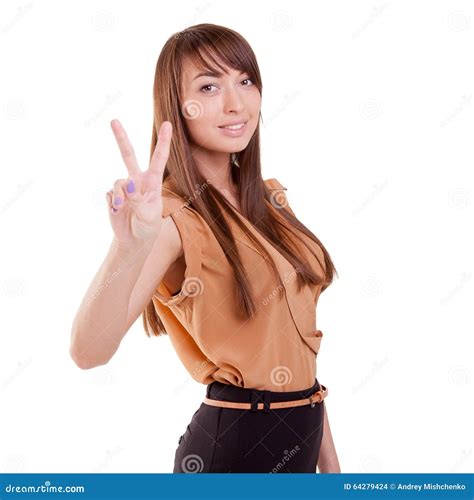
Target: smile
236 130
235 127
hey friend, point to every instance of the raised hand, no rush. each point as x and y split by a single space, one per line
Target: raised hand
135 203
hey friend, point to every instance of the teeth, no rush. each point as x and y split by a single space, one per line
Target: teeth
235 127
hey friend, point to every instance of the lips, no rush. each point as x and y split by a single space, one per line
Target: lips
235 125
235 131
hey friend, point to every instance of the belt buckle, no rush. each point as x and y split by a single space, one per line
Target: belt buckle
313 403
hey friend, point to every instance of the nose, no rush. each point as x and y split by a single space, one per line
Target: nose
233 100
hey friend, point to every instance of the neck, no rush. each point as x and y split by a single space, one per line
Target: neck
215 167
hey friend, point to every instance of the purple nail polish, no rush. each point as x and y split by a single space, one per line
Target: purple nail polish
118 200
130 186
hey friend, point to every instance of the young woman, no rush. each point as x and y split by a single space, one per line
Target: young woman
212 255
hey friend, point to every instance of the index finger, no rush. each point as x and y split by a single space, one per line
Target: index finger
126 148
162 148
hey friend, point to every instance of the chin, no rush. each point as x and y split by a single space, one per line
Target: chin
226 146
231 149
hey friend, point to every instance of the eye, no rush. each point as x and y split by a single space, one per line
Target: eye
205 87
208 91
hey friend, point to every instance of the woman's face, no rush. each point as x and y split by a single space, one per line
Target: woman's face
211 102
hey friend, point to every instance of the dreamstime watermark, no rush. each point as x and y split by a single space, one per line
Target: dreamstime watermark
377 189
287 278
371 287
14 109
465 278
195 372
377 366
14 286
109 100
464 455
280 20
109 455
278 199
192 286
458 198
14 462
198 11
281 375
21 12
192 109
104 377
200 366
459 375
21 188
192 464
103 286
287 100
288 456
376 12
458 21
371 463
104 20
200 188
465 101
20 368
370 109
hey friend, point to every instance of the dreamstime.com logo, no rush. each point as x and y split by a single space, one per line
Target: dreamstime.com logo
44 488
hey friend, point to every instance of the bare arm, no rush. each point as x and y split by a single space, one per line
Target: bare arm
141 235
99 325
328 460
119 293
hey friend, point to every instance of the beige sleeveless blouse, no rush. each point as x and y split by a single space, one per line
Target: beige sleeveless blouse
277 349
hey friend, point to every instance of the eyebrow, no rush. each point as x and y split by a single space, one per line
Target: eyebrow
212 74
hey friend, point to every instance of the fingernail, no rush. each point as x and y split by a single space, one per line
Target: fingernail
118 200
130 186
114 209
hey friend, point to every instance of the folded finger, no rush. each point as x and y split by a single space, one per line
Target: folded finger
118 195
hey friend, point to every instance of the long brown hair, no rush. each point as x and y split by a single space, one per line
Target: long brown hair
209 46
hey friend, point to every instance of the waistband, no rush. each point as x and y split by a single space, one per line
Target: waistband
231 393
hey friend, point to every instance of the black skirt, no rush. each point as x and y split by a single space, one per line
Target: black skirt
233 440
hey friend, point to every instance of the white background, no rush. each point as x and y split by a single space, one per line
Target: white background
368 122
